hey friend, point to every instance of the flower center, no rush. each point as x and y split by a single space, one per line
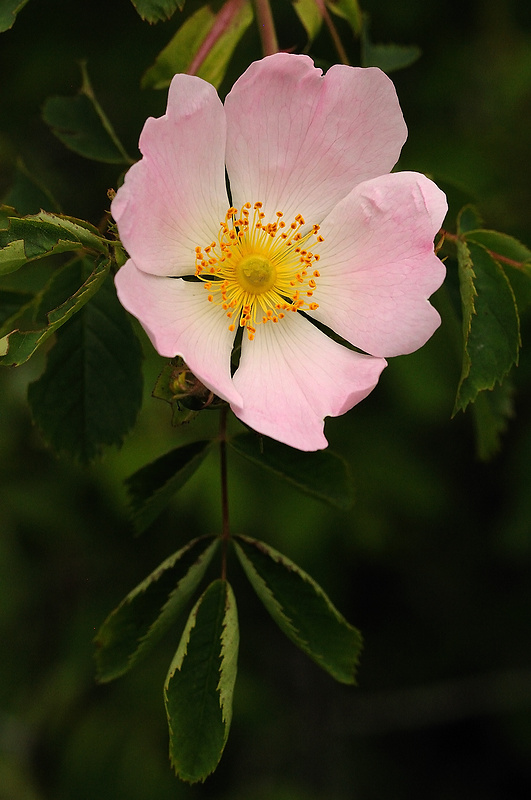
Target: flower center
256 274
258 271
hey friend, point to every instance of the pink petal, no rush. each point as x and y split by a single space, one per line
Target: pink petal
292 376
299 142
378 267
174 198
180 321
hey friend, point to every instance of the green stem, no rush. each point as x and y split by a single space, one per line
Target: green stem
334 35
225 527
266 27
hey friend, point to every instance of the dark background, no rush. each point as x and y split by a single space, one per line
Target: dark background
434 561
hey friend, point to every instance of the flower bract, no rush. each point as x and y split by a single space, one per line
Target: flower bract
318 259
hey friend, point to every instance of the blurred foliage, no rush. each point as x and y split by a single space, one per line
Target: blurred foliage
432 563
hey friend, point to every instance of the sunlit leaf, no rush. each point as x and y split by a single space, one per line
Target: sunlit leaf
321 474
301 609
157 10
152 487
203 45
490 322
76 289
200 684
8 12
91 390
310 16
348 10
131 631
80 123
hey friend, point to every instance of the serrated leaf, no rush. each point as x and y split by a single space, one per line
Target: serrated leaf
132 630
91 390
22 344
203 45
348 10
491 332
80 123
8 12
157 10
501 246
33 237
388 57
200 684
310 16
301 609
152 487
468 219
321 474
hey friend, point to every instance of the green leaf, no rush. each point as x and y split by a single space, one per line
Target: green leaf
91 390
301 609
132 630
310 16
468 219
23 343
200 684
388 57
80 123
151 488
348 10
156 10
8 12
501 247
203 45
492 410
322 474
490 322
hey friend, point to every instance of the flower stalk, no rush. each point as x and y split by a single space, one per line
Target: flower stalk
266 27
225 526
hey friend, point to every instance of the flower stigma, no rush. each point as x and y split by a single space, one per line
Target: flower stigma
257 271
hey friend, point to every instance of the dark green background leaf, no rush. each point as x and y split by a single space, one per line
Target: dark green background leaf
91 390
143 617
301 609
200 684
388 57
81 124
151 488
322 474
492 411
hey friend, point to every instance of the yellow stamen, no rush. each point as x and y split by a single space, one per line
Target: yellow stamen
254 267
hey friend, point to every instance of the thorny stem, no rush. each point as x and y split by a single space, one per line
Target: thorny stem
266 27
334 35
225 529
455 238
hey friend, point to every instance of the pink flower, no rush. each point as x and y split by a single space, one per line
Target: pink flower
316 230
